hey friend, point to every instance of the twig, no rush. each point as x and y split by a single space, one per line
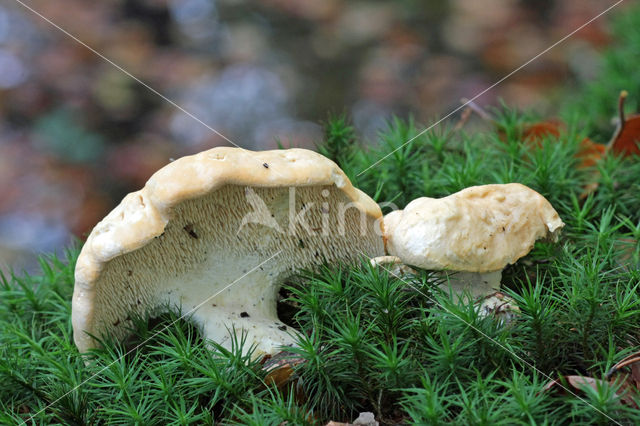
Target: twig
464 117
477 109
621 118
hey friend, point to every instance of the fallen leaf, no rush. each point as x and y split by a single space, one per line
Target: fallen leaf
577 382
533 134
629 361
536 132
623 142
627 390
279 368
625 375
279 376
627 135
635 374
589 152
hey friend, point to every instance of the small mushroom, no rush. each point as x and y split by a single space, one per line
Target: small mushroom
214 220
472 234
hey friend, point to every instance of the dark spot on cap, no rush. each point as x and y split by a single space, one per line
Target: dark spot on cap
301 243
265 165
129 272
283 328
244 315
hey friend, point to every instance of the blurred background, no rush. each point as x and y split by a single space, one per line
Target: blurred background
77 134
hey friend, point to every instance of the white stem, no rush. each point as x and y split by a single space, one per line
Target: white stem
474 283
267 334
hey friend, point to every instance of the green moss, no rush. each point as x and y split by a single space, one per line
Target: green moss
372 342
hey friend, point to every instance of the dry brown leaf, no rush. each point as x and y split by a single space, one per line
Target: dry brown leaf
635 374
576 382
533 134
625 362
625 374
579 382
627 136
279 368
588 154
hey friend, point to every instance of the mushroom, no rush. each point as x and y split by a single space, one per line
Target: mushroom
215 234
472 234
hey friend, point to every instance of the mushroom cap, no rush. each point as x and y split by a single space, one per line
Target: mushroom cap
185 236
479 229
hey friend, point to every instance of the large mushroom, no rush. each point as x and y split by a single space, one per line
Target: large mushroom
228 223
472 234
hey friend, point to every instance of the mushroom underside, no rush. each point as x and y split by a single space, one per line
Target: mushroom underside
224 270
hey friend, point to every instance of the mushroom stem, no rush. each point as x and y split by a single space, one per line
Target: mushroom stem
476 284
248 304
266 333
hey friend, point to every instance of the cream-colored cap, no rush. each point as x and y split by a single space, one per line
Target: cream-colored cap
208 220
479 229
